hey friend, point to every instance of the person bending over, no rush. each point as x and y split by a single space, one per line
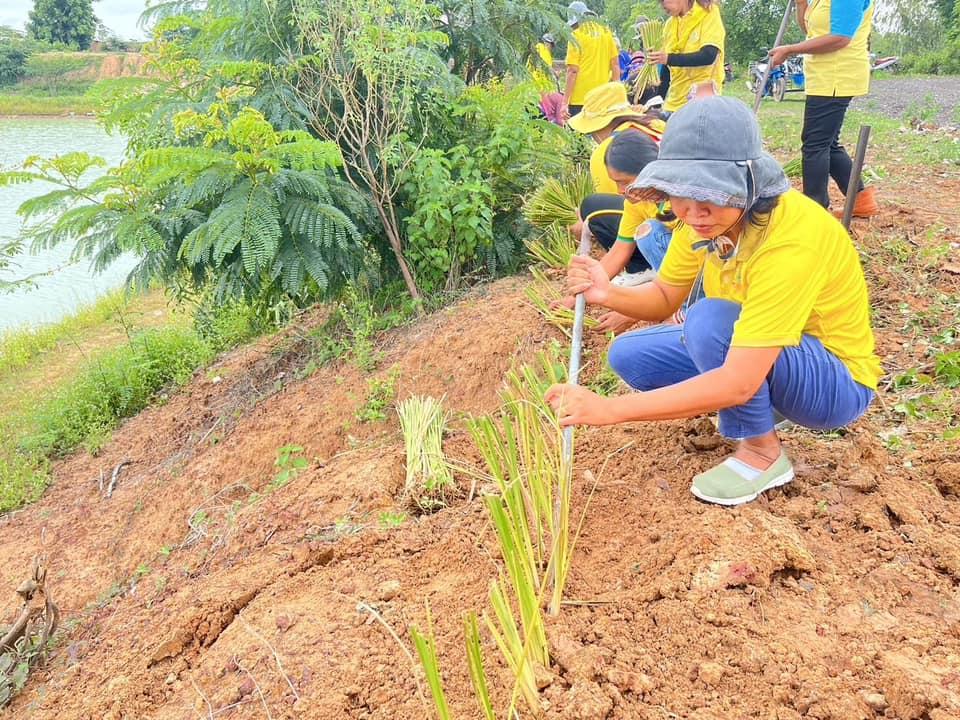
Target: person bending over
606 113
635 234
784 326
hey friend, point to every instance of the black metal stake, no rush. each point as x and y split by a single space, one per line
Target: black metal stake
853 188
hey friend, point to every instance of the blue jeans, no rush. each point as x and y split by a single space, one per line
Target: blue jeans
808 384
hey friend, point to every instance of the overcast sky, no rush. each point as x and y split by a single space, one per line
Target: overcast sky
118 15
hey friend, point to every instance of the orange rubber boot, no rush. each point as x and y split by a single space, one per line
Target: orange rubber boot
865 205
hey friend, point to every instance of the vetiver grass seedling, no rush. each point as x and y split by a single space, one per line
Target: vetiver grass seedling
543 293
553 247
558 200
426 646
422 421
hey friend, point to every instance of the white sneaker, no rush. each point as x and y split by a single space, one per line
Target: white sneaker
626 279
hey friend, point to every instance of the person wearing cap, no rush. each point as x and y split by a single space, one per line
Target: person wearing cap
785 324
694 39
606 112
837 69
592 56
541 66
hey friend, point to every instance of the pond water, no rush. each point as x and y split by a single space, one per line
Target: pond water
66 286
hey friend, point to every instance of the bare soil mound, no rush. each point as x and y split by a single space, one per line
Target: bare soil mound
200 590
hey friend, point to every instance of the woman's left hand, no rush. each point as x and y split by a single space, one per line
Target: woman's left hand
657 57
575 405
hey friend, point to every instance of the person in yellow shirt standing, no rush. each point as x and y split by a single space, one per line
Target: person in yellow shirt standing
837 69
541 66
785 324
592 57
694 39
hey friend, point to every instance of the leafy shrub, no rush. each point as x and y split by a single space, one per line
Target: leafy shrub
111 388
13 63
941 62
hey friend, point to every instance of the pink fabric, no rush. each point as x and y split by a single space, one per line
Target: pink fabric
551 104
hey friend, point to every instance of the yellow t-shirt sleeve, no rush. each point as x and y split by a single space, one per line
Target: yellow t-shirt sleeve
712 31
681 265
634 215
784 282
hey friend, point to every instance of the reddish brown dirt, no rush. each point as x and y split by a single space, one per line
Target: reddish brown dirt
835 598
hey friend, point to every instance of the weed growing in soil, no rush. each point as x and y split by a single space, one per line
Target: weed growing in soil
380 393
290 463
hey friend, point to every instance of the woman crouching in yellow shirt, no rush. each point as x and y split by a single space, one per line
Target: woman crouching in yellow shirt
785 325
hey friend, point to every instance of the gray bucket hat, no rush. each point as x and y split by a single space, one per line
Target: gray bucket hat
711 152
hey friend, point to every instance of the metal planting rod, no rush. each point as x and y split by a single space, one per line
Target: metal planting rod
573 376
776 43
573 373
854 186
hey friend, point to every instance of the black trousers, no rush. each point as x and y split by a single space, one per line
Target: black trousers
823 156
605 225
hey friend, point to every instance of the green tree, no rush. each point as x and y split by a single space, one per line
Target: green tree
237 206
752 25
489 38
13 63
71 22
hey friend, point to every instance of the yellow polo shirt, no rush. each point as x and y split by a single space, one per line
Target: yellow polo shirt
541 69
690 33
637 213
799 275
592 49
844 72
602 183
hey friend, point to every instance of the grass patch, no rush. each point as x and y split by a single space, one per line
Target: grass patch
19 347
28 103
51 407
117 385
892 141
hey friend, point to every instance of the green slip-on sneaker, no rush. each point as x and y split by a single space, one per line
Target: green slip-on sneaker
733 482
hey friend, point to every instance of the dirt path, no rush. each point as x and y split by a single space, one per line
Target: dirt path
930 99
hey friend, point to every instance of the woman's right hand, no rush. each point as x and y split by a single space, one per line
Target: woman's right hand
586 275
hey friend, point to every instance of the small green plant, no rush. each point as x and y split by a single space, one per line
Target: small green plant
290 463
380 393
606 382
390 520
422 421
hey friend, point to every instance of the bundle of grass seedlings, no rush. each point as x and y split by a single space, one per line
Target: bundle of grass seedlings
422 421
553 247
557 200
651 33
794 168
543 293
